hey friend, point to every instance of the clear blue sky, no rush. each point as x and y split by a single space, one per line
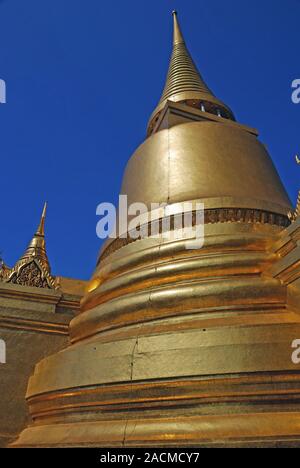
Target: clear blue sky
84 76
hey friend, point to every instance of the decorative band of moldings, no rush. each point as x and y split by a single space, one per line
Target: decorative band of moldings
211 216
15 323
244 387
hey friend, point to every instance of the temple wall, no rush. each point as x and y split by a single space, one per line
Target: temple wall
33 325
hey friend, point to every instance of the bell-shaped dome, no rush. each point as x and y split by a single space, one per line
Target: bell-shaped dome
219 163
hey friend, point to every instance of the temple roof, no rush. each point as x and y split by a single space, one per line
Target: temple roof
33 268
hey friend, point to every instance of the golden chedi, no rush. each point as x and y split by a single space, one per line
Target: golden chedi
176 346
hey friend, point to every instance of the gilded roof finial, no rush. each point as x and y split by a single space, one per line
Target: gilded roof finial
33 268
37 246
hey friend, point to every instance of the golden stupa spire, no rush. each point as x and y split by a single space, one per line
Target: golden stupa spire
184 82
175 323
33 268
183 75
37 247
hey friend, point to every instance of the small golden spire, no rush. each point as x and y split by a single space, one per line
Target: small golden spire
37 246
33 268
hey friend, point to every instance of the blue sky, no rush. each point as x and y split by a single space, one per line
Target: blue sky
82 80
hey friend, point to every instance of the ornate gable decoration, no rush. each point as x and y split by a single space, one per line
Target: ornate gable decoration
32 274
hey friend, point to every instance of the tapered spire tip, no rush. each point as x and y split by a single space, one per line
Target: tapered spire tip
44 209
178 37
41 228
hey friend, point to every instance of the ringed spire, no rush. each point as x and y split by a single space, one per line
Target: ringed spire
185 84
